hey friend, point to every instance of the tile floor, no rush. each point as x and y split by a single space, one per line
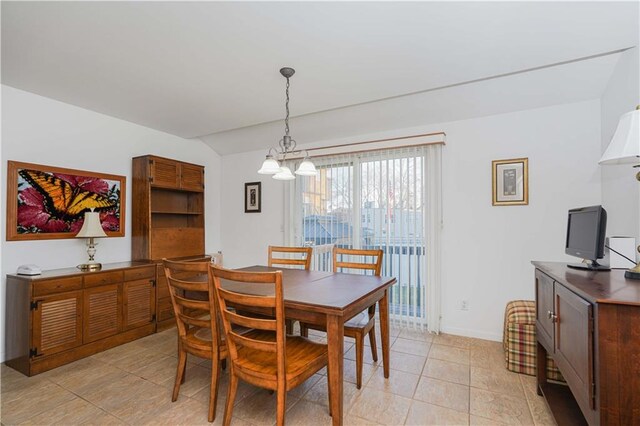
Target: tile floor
434 380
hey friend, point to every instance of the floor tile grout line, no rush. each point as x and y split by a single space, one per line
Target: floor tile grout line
78 396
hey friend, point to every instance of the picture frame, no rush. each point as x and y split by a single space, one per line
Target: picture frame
510 182
253 197
47 202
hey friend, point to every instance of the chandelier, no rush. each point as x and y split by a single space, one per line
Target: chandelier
271 164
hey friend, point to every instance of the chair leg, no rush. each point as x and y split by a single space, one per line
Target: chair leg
182 363
282 402
372 342
213 392
304 331
359 359
289 326
231 397
329 389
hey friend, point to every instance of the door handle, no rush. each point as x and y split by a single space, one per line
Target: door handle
549 314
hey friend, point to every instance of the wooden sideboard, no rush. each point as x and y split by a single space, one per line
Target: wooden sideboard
66 314
589 323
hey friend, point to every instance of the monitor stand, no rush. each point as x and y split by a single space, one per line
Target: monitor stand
592 266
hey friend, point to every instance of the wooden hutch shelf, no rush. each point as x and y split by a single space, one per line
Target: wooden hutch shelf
168 218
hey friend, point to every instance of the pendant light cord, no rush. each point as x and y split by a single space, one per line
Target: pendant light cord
286 120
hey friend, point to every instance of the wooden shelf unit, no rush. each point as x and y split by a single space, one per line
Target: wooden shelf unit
168 209
66 314
167 220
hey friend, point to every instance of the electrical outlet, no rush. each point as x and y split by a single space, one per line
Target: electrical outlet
464 305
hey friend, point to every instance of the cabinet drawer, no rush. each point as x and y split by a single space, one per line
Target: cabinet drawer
165 309
102 278
41 288
139 273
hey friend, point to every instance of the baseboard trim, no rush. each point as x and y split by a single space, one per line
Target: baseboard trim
472 333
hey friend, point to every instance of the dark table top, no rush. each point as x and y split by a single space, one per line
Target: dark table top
315 289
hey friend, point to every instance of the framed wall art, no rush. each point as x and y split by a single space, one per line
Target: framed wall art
45 202
252 197
510 180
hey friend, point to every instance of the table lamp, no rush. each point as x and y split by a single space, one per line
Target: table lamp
91 228
625 149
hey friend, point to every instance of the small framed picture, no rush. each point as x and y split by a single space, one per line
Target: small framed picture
252 197
510 182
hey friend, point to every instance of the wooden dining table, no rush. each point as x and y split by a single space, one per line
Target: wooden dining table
330 299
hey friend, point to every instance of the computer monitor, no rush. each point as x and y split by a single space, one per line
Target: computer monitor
586 228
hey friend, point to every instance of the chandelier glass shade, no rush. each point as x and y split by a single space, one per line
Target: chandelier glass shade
284 174
287 145
270 166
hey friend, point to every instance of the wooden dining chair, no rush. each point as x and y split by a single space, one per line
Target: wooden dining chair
304 261
197 322
363 323
264 356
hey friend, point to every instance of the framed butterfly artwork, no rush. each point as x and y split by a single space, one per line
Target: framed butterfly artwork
45 202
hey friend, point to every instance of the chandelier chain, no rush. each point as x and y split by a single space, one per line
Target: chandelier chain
286 120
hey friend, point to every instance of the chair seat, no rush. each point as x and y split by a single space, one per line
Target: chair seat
301 355
358 321
201 336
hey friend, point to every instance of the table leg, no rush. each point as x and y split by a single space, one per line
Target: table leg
335 337
383 305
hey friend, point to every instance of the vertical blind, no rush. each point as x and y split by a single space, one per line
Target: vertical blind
388 200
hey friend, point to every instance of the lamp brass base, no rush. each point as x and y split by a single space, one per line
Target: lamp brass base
90 266
632 275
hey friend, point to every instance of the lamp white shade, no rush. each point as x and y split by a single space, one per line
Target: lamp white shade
270 166
284 174
306 168
91 227
625 144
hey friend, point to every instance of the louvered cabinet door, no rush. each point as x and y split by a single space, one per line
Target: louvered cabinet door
57 323
102 312
165 173
191 177
139 303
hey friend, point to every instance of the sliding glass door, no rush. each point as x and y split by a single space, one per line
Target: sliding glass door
370 200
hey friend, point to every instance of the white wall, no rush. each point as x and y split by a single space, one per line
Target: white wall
40 130
620 189
486 250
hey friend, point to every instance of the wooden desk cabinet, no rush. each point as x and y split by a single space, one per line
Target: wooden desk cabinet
589 322
67 314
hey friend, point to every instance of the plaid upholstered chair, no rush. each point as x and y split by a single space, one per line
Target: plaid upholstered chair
519 340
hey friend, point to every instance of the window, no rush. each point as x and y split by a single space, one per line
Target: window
372 200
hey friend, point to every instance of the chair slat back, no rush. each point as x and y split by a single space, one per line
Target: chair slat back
304 261
340 254
192 296
243 303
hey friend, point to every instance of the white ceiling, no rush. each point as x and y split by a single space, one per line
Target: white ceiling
200 68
